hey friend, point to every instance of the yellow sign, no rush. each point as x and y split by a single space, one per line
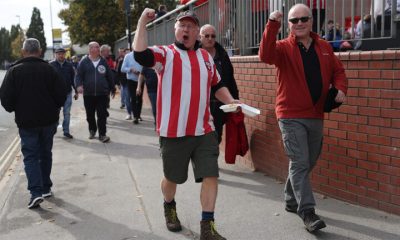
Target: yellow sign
57 34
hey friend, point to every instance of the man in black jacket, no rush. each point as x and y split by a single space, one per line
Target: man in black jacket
67 72
225 70
35 92
95 81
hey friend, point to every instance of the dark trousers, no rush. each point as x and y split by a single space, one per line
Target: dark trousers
36 146
219 118
96 105
136 101
153 101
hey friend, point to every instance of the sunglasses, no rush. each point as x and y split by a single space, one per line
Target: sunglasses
302 19
209 36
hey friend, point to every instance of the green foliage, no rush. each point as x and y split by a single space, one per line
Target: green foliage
16 45
104 21
15 30
94 20
36 29
5 46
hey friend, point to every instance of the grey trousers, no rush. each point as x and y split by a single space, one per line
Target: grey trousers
302 139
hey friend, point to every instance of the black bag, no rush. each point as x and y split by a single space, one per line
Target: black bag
330 102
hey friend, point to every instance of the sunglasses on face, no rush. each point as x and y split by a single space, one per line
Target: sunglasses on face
209 36
302 19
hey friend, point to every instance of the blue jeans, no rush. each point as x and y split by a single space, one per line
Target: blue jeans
153 100
36 146
67 113
127 99
122 95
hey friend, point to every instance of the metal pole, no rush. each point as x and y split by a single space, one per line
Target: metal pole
128 22
51 24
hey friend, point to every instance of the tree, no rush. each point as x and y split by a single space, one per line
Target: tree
103 21
93 20
5 46
15 30
36 29
16 46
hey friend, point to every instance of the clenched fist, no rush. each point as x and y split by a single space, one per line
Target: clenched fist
276 16
147 16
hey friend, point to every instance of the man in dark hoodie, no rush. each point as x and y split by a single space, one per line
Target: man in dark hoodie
95 81
225 70
35 92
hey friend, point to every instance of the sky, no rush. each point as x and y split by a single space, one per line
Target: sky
11 9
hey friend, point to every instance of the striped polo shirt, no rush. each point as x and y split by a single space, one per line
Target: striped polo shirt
183 95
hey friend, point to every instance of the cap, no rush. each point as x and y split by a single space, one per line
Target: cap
58 50
188 14
330 102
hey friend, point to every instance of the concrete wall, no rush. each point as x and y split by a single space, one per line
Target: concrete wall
360 162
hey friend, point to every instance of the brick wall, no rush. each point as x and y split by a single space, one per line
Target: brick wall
360 162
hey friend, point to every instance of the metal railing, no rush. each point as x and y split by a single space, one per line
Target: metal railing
240 23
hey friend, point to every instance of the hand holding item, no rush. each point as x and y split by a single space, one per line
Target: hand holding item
80 89
76 96
340 97
138 91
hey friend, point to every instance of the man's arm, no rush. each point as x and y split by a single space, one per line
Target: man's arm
339 79
8 92
223 95
140 84
269 50
60 89
142 54
140 40
79 78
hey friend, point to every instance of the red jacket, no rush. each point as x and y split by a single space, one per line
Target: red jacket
293 99
235 137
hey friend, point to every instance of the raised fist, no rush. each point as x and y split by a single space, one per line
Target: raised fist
147 16
276 16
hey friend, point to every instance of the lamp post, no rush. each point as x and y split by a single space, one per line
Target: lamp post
19 20
128 22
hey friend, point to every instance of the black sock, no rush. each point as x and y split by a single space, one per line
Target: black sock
172 203
205 216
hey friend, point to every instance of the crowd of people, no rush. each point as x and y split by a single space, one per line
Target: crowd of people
187 81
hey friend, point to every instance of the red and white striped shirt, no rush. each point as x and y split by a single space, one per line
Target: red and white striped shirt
185 78
314 4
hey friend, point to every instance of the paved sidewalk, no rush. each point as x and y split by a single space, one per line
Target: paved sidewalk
112 192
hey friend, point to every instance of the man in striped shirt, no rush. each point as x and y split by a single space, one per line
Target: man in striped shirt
186 75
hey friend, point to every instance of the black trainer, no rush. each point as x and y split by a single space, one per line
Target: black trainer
92 134
136 121
171 218
208 231
291 208
35 202
68 135
312 221
104 139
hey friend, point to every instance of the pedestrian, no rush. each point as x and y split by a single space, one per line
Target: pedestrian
94 80
132 70
225 70
34 90
105 52
67 72
184 122
306 67
149 76
121 76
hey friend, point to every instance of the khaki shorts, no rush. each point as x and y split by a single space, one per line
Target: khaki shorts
202 151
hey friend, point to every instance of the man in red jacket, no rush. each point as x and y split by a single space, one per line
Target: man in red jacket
306 67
